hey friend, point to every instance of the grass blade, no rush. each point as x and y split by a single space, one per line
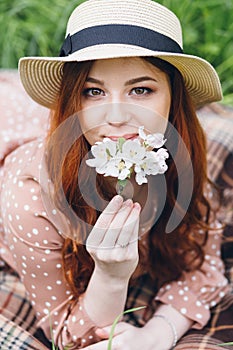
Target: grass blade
116 321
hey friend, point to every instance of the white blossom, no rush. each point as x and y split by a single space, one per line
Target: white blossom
153 140
103 152
119 168
132 150
123 157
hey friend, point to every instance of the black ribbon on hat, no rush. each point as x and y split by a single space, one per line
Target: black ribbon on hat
119 34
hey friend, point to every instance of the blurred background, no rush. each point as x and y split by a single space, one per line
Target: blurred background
37 28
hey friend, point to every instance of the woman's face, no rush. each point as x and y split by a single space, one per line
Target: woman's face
122 94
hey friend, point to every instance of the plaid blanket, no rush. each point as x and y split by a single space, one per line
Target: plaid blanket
17 319
18 322
218 123
12 336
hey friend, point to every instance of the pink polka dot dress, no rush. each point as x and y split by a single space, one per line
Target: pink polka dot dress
31 235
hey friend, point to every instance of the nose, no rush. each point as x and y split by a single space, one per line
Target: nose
117 114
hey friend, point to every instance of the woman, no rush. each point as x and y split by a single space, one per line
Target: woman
83 252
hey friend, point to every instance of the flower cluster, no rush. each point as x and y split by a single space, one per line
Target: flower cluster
123 157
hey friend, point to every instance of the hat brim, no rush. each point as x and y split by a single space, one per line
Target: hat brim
41 76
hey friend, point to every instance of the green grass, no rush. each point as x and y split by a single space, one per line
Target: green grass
208 32
37 27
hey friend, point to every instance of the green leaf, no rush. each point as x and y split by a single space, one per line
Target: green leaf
121 141
108 152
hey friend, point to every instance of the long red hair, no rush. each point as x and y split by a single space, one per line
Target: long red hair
169 254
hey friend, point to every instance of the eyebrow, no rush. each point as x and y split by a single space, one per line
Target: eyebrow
139 80
129 82
93 80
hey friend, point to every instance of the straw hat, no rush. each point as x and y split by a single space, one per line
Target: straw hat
100 29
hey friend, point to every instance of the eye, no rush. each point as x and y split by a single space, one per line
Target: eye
93 92
140 91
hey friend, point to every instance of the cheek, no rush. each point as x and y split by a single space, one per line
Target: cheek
156 125
164 103
90 138
83 124
88 129
87 121
155 120
163 111
91 118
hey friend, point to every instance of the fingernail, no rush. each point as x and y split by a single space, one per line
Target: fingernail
128 202
137 206
117 199
101 331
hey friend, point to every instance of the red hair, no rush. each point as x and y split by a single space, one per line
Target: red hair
180 250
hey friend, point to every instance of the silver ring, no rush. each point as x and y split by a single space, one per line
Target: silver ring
123 245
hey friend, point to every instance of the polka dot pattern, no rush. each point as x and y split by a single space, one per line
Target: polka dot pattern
35 245
23 121
198 291
31 243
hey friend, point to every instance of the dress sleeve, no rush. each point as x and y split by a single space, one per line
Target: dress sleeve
21 118
196 292
35 245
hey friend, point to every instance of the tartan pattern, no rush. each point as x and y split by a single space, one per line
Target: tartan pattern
17 317
137 298
12 336
14 304
218 330
218 123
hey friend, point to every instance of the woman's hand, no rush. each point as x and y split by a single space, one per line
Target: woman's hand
126 337
113 245
113 241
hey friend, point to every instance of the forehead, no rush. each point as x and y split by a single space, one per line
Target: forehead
125 65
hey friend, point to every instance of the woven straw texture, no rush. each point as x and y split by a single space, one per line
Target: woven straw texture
41 76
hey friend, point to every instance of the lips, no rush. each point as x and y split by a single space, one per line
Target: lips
126 137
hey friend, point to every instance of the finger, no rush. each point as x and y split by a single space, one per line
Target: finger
102 345
109 212
117 224
119 328
103 333
129 232
103 222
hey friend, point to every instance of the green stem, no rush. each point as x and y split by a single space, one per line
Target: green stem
116 321
121 185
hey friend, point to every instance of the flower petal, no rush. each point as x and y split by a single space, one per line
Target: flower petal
141 132
141 178
156 140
